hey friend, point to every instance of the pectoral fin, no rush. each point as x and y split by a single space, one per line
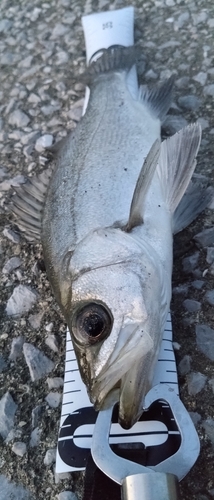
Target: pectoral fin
143 183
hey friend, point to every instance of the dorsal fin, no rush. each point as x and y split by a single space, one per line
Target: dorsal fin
28 202
158 99
141 188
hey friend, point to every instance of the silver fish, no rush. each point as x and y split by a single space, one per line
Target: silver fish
106 221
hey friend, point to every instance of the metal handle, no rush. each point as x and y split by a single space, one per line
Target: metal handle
148 486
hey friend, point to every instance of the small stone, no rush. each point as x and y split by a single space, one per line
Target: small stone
211 383
11 264
209 296
3 364
59 30
195 416
53 399
50 456
173 124
180 289
200 78
60 476
205 340
51 341
66 495
49 109
209 90
16 348
183 82
29 138
38 364
33 98
151 75
198 284
11 235
35 415
184 366
208 426
190 263
205 238
210 23
19 448
196 382
200 17
21 300
7 413
55 382
44 142
192 305
182 19
203 122
189 102
12 491
35 320
5 25
61 58
210 255
75 112
49 327
35 437
18 118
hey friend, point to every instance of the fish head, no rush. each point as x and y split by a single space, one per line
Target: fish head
112 316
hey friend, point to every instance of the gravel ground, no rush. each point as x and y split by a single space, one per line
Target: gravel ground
42 54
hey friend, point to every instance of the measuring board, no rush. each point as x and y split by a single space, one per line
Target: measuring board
159 434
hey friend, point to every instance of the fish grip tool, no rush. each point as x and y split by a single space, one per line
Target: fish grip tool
139 482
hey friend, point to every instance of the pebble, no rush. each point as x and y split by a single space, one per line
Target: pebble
209 296
3 364
7 413
29 138
195 382
35 437
210 255
51 341
198 284
44 142
173 124
35 320
205 238
19 448
75 112
180 289
190 102
66 495
192 305
12 491
211 383
209 90
21 301
38 364
189 263
11 264
208 426
16 348
18 119
50 456
195 416
35 415
205 340
5 25
60 476
201 78
53 399
11 235
59 30
55 382
184 366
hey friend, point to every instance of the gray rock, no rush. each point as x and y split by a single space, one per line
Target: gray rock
33 98
3 364
198 284
200 78
19 448
26 62
55 382
35 320
195 416
210 255
205 238
50 456
60 476
182 19
16 348
173 124
75 112
35 437
211 383
11 235
7 413
205 340
209 296
196 382
49 109
203 122
184 366
189 102
180 289
21 300
51 341
200 17
59 30
208 426
18 118
192 305
190 263
38 364
29 138
182 83
44 142
12 491
53 399
36 415
49 327
5 25
61 58
67 495
209 90
151 75
11 264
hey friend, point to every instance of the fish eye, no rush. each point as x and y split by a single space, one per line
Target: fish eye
91 323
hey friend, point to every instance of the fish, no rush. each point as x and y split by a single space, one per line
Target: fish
106 216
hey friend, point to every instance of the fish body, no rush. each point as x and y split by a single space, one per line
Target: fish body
107 232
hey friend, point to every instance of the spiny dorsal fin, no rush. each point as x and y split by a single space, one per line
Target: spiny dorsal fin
158 99
28 202
113 59
141 188
177 163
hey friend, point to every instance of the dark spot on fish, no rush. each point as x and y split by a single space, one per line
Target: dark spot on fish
125 169
159 205
85 191
121 104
